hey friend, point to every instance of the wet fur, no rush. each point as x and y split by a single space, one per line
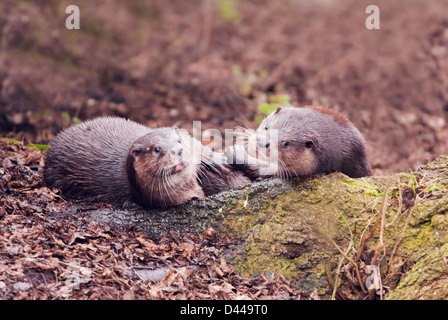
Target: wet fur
87 161
152 179
320 140
98 161
214 180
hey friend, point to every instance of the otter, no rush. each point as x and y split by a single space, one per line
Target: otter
309 140
121 162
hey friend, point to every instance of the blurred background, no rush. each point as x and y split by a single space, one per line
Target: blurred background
225 63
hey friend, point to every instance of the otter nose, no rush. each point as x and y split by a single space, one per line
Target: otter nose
176 151
262 143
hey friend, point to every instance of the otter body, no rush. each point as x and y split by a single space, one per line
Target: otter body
308 140
121 162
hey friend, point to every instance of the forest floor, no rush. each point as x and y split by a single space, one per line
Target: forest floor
166 62
50 249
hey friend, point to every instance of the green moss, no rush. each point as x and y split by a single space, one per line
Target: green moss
290 228
228 10
270 248
30 145
291 234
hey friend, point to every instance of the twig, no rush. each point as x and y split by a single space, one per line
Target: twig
358 274
364 239
380 241
335 284
417 201
400 205
337 280
383 218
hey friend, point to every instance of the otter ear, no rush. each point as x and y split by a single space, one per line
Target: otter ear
278 110
309 144
136 150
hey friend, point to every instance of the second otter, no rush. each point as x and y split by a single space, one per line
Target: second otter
308 140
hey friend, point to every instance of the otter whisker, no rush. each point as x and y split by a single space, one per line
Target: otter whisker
284 173
124 162
159 187
313 140
157 174
171 184
241 134
245 129
164 183
167 183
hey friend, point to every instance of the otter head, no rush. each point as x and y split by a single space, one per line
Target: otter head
287 137
161 169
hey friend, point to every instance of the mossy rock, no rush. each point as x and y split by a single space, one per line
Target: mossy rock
290 228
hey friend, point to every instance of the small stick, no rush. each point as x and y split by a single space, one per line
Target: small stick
383 218
354 264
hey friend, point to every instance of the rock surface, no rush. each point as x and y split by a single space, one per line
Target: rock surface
299 228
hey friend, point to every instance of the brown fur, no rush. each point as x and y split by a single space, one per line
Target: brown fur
214 180
153 178
311 140
337 116
120 162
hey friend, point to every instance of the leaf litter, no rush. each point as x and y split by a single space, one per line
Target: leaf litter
50 249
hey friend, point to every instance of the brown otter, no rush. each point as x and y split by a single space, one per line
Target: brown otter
121 162
309 140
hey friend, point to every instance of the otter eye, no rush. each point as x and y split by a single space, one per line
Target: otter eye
266 128
309 144
285 144
157 149
180 141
